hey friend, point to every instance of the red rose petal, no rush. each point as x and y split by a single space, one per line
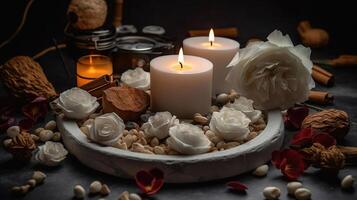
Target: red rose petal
324 139
276 159
295 116
290 162
303 138
236 186
150 182
36 109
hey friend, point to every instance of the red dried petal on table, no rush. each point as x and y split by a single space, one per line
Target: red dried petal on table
303 138
325 139
236 186
36 108
290 162
294 117
150 182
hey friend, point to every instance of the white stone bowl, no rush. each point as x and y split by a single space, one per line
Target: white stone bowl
177 168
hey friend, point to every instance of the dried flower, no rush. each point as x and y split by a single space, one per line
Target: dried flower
274 74
230 124
75 103
159 125
36 109
137 78
106 129
236 186
51 153
150 182
290 162
21 146
188 139
306 137
294 117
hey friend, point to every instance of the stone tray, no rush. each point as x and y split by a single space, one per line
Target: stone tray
177 169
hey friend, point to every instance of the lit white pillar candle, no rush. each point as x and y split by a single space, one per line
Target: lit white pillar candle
181 85
220 51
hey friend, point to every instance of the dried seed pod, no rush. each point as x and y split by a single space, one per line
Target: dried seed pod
79 192
21 146
25 78
261 170
86 15
271 193
332 121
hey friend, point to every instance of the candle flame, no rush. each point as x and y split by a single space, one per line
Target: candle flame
211 36
180 57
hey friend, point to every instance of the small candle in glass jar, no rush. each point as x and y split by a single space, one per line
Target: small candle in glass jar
90 67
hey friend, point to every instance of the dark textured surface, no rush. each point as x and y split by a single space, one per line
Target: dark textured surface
253 18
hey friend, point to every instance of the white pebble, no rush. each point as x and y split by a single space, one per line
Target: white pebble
303 194
13 131
46 135
347 182
293 186
79 192
95 187
261 170
7 142
134 196
271 193
39 176
51 125
124 196
222 98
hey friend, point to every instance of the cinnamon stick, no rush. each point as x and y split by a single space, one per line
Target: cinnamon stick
321 97
344 60
97 86
322 76
118 12
231 32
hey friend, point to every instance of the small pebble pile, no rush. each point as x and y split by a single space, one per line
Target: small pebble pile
37 178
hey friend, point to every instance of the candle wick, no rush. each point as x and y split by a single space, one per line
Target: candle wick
181 65
211 43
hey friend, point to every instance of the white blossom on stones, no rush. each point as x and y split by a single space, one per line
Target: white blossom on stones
75 103
106 129
230 124
159 125
246 106
137 78
188 139
51 153
274 74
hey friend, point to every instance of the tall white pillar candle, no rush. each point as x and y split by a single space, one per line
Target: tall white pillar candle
220 52
181 90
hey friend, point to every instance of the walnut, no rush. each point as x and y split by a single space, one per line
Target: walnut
87 14
25 78
332 121
21 146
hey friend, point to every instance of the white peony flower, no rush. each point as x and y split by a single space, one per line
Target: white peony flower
137 78
188 139
106 129
159 125
230 124
274 74
51 153
246 106
75 103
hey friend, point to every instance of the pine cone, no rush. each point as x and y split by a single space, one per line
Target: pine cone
332 121
21 146
25 78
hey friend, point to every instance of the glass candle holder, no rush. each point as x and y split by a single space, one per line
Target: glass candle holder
90 67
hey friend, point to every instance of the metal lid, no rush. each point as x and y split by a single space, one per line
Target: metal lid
141 43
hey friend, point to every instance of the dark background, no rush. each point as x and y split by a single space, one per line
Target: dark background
253 18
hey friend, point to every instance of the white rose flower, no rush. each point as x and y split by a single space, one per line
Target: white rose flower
188 139
137 78
230 124
106 129
51 153
159 125
246 106
274 74
75 103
